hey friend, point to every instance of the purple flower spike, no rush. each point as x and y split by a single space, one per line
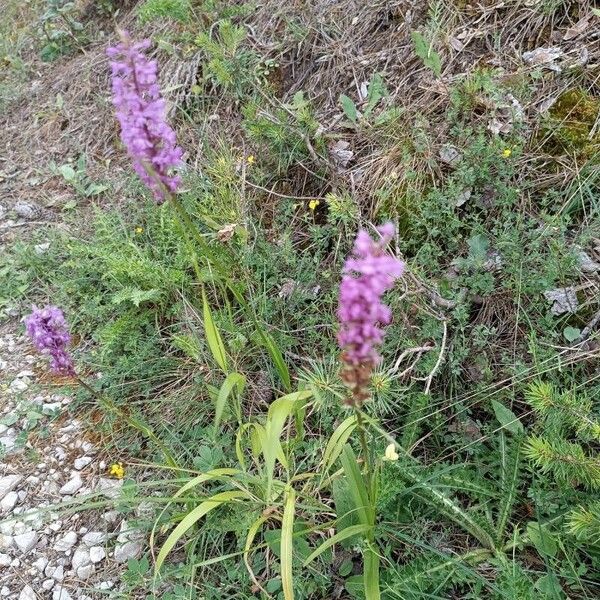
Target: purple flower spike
368 273
47 329
149 139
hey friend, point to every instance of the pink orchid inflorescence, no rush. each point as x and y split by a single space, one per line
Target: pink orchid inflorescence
141 111
367 274
48 331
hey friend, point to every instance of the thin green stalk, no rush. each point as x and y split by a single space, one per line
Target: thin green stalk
365 448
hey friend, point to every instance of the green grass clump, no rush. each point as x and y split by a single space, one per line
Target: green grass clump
155 10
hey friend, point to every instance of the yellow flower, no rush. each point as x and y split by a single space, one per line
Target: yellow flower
313 204
117 470
390 453
506 153
139 230
250 159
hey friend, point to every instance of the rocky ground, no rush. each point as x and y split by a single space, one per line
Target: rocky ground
50 466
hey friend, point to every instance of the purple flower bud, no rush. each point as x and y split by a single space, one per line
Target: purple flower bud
368 273
47 329
149 139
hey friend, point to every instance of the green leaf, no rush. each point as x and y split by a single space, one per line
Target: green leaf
68 172
377 91
349 108
213 337
423 49
276 357
340 536
287 537
336 443
541 538
571 333
234 383
507 418
346 568
136 296
191 519
358 489
549 585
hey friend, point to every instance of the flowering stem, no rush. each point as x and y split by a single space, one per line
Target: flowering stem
365 448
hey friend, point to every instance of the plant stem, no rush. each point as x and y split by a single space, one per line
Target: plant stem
365 448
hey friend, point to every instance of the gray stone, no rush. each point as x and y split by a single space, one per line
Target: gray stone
26 541
41 563
8 483
129 544
5 560
9 502
81 558
93 538
86 572
27 593
97 553
48 584
65 543
82 462
6 541
60 593
71 486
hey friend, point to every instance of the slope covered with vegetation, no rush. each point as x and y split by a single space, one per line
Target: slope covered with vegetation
209 330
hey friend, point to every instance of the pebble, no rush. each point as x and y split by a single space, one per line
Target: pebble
82 462
19 385
8 483
27 593
41 563
60 593
48 584
66 542
97 553
86 572
72 485
93 538
81 558
9 502
26 541
5 560
129 544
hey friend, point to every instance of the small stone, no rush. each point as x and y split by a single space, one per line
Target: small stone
48 584
129 544
40 249
19 384
586 263
60 593
8 483
41 563
4 591
72 485
93 538
105 585
9 502
86 572
58 573
26 541
564 300
27 210
110 487
50 408
4 560
81 558
97 553
27 593
6 541
66 542
82 462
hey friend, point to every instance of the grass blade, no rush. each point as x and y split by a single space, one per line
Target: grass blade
336 442
234 383
190 520
340 536
287 535
213 337
371 573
